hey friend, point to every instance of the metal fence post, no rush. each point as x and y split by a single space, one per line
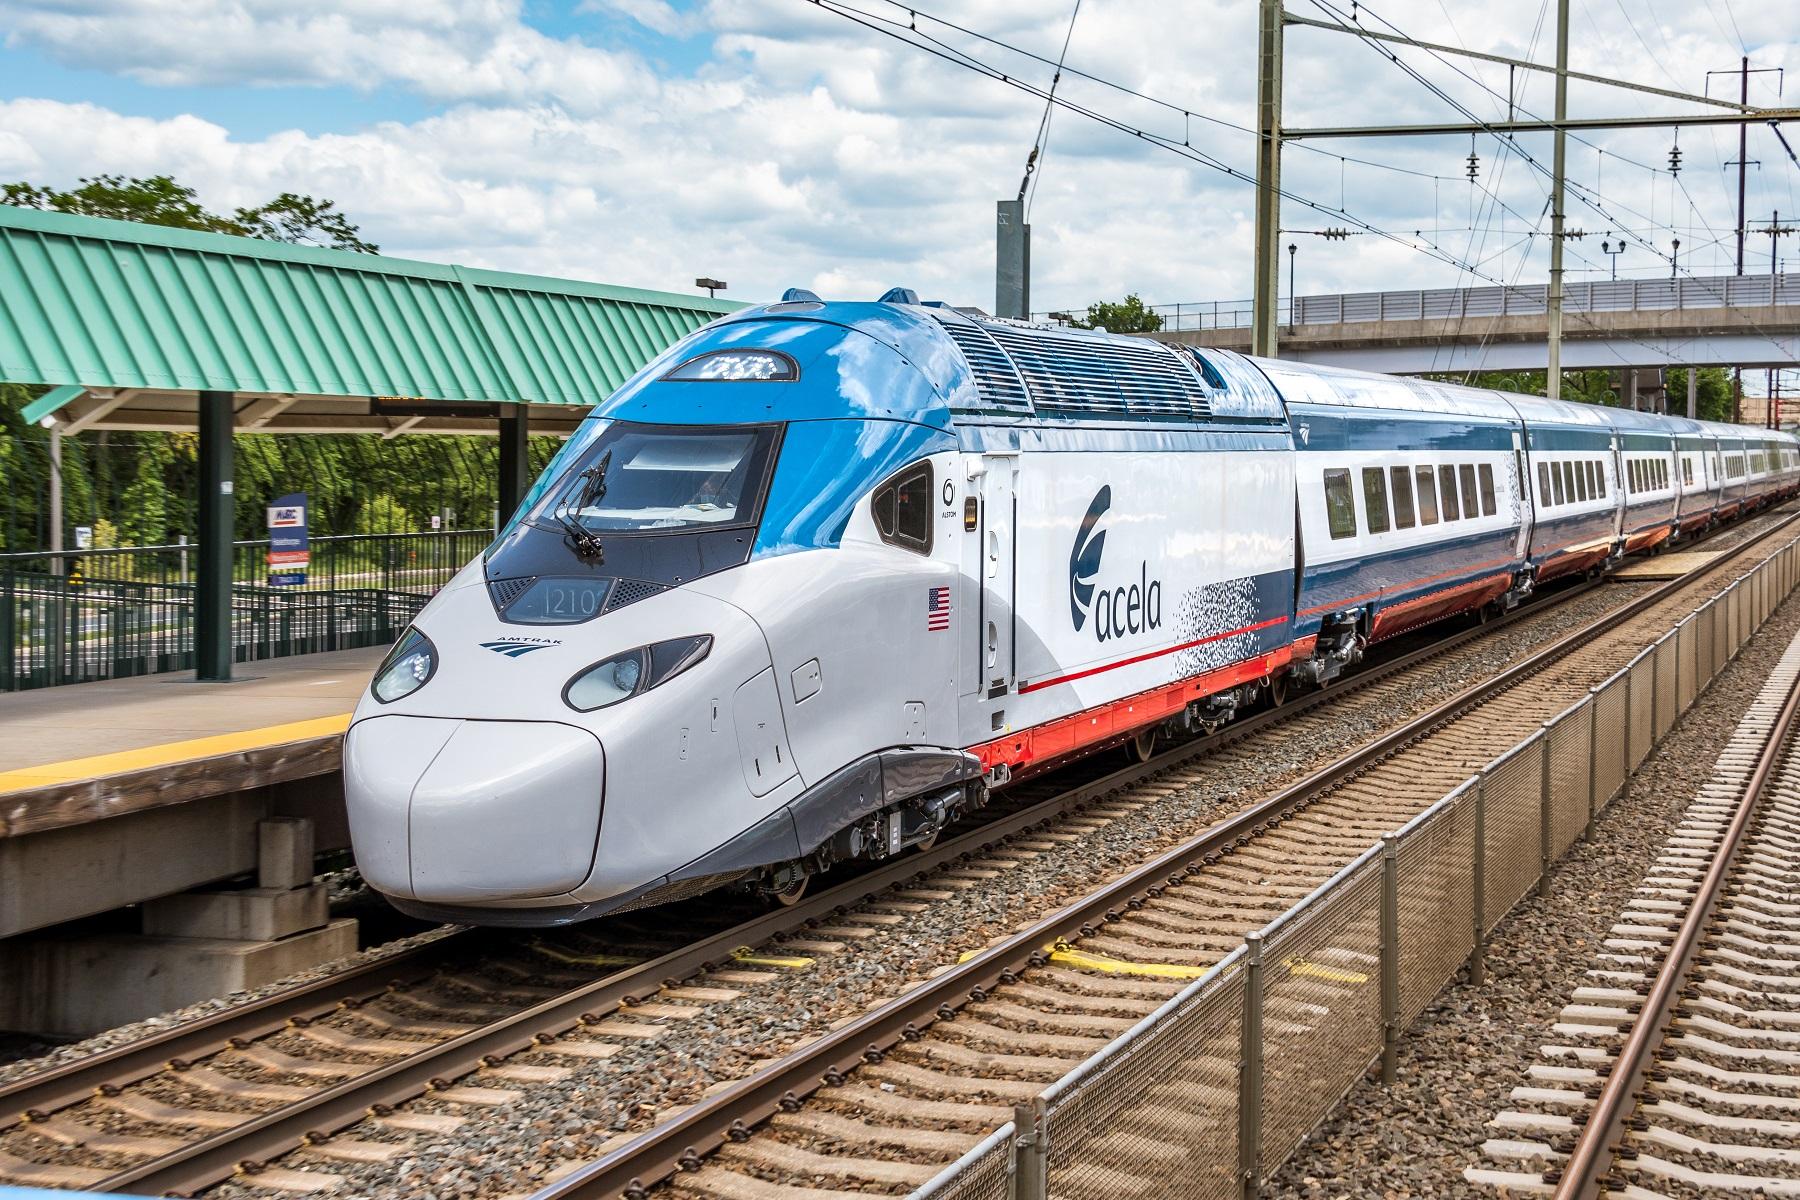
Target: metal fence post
1543 880
1656 696
1630 723
1593 757
1250 1072
9 638
1030 1152
1390 958
1478 872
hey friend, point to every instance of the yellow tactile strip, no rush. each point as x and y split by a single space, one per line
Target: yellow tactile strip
145 758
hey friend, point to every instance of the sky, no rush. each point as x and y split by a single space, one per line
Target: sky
778 143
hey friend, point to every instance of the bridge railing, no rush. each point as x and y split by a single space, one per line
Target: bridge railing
1605 295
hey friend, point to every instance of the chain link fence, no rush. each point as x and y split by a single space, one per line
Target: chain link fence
1211 1093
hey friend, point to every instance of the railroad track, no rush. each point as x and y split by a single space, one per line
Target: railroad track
883 1104
253 1083
1677 1070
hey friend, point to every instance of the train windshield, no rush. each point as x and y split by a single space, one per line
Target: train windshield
651 478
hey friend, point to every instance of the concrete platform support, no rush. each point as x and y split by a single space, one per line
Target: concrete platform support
194 946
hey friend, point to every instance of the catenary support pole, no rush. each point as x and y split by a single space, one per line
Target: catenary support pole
515 458
1266 283
1558 165
1693 393
218 509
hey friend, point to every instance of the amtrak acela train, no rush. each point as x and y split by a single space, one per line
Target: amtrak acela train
823 575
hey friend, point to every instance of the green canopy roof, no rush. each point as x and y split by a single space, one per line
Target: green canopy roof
114 304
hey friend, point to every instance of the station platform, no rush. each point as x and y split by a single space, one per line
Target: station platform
77 753
116 792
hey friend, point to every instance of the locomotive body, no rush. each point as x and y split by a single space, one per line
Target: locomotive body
822 576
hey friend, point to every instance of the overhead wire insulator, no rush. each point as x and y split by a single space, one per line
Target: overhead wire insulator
1472 167
1675 155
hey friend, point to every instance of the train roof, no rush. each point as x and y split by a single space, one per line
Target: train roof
985 370
981 370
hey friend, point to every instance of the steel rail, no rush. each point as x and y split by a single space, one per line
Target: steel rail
35 1095
1584 1174
728 1114
261 1138
249 1145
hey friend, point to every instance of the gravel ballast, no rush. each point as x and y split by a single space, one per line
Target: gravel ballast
506 1149
1461 1060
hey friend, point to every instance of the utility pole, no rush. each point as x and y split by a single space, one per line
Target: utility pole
1743 155
1553 309
1776 230
1266 283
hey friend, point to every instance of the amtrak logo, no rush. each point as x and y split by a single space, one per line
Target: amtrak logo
517 649
1120 611
1084 559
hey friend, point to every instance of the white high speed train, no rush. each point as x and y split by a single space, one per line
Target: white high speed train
822 576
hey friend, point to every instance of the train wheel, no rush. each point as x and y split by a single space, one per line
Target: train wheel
1278 690
925 844
1143 746
793 893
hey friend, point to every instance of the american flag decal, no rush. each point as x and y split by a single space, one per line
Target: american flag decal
937 609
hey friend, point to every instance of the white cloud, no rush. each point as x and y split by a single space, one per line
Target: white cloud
444 50
812 151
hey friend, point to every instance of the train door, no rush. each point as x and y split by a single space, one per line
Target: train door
999 520
1525 494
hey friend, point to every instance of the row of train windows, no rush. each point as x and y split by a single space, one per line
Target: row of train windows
1647 474
1570 482
1420 496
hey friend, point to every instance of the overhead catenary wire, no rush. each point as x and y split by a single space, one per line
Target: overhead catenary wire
1041 144
897 31
1348 24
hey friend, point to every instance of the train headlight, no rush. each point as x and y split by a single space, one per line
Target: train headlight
625 675
407 668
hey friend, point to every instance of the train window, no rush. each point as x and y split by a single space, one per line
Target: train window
1425 481
902 509
1568 473
1556 483
1584 487
1340 505
1488 507
1470 498
1375 505
1403 497
1447 486
1544 485
1594 482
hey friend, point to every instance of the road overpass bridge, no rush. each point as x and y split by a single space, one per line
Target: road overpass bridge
1723 320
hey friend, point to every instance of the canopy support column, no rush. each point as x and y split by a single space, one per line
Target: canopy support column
515 458
218 510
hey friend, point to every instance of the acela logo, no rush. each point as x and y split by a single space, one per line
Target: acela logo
1084 559
1129 609
513 649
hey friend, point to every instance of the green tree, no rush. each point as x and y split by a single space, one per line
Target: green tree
160 200
1129 315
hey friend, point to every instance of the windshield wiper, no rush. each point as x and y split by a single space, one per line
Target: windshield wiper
589 488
